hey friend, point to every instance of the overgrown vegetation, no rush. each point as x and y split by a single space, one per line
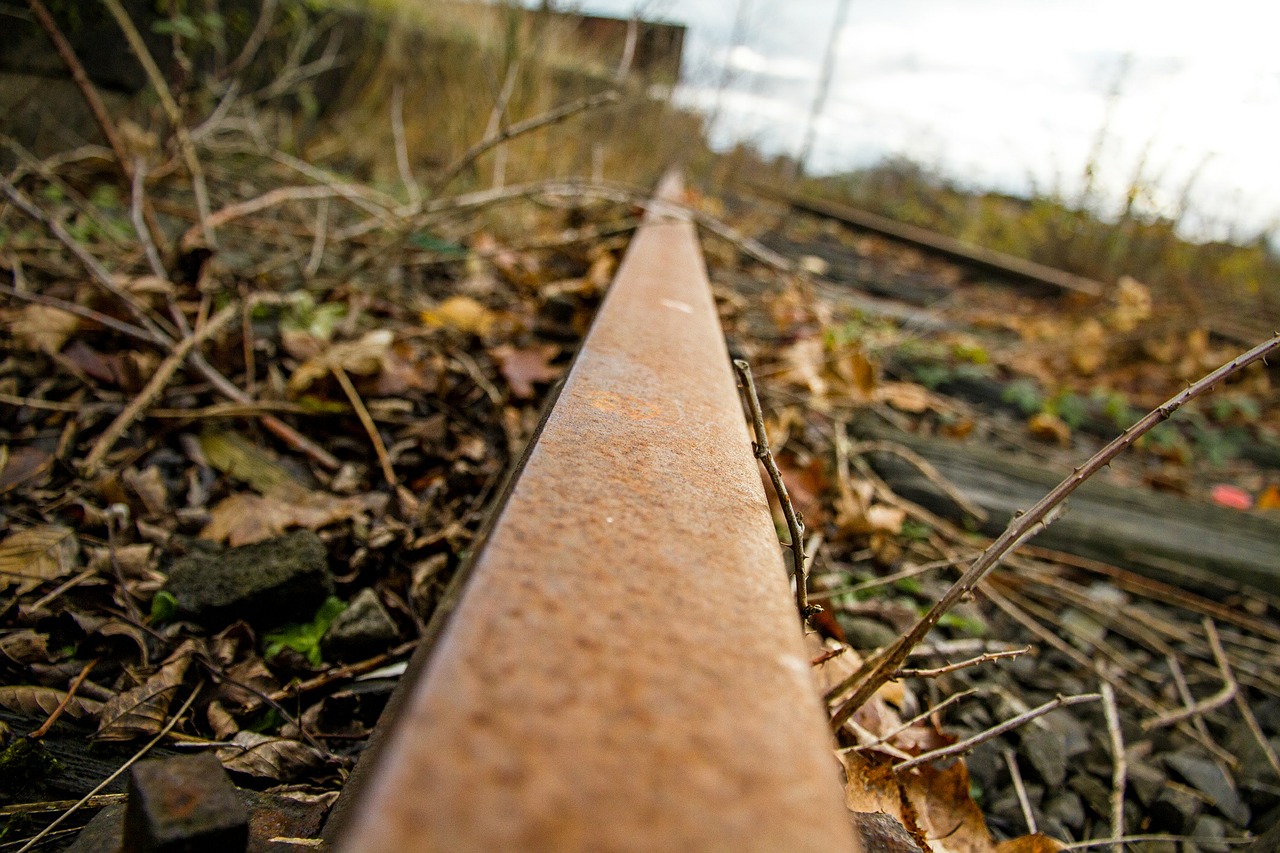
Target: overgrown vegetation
1209 280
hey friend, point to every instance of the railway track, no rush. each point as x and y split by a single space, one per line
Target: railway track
621 666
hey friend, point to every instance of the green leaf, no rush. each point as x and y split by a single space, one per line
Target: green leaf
163 607
304 637
430 242
1024 394
180 25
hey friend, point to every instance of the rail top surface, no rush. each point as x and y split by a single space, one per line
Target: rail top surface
625 668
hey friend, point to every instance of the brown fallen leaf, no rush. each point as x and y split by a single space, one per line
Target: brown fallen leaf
945 810
20 464
42 701
30 557
144 710
1048 427
44 328
245 518
905 397
363 357
265 757
462 314
1038 843
522 368
25 647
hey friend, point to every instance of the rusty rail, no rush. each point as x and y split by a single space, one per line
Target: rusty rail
940 244
623 668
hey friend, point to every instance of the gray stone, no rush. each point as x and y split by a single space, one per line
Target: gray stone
1210 779
364 626
184 804
1096 795
864 633
1145 781
268 583
1208 832
1068 809
1046 751
1174 810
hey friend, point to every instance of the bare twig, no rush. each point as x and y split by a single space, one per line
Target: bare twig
496 116
257 204
1184 692
1242 703
520 128
1120 766
261 28
795 524
316 258
964 664
1020 788
138 193
174 114
154 386
379 447
867 683
66 700
1157 837
402 149
1225 694
884 580
168 727
961 747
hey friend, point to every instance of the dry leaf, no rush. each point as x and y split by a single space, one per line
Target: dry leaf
883 518
462 314
1270 498
30 557
524 367
245 518
220 720
149 487
870 785
25 647
1133 304
944 809
1047 427
144 710
858 373
1088 347
363 357
269 757
41 327
236 456
22 464
43 701
803 362
1038 843
905 397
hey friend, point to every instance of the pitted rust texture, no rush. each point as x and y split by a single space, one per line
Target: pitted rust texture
625 669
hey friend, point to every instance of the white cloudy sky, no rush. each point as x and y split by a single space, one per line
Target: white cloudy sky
1010 93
